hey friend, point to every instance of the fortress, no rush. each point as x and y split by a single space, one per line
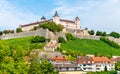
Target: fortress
69 25
72 27
56 18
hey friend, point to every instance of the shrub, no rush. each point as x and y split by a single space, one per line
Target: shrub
36 46
61 40
70 37
111 43
38 39
48 40
18 30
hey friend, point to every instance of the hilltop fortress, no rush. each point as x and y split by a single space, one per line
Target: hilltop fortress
72 27
69 25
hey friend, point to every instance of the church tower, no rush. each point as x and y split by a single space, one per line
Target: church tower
77 22
56 18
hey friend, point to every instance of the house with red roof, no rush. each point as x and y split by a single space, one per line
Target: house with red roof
102 62
59 58
95 63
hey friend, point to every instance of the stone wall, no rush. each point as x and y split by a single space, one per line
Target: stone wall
117 40
87 37
46 33
40 32
61 34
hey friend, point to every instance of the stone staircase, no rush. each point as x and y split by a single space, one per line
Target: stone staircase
52 45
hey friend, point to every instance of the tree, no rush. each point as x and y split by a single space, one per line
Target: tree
47 67
105 68
99 33
38 39
104 34
42 67
114 34
11 31
61 40
52 26
91 32
1 32
117 66
18 30
6 31
34 68
59 27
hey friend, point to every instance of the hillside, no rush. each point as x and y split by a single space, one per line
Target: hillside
87 46
24 42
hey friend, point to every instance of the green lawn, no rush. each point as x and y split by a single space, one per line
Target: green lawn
24 42
87 46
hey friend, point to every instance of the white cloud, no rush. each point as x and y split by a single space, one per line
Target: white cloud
101 15
11 14
95 14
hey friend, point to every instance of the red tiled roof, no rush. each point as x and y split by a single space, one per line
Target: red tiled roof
84 60
34 23
101 59
59 58
39 22
115 59
67 20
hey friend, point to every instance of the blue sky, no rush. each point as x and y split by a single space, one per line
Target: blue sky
103 15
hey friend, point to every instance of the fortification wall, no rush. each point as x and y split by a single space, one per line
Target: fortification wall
87 37
46 33
117 40
40 32
61 34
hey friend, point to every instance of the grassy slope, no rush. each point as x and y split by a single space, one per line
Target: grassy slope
90 47
24 42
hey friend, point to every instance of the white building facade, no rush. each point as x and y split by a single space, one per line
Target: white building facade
56 18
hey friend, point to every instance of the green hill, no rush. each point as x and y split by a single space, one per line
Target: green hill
87 46
24 43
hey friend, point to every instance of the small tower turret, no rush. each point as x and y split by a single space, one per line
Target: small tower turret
77 22
43 19
56 18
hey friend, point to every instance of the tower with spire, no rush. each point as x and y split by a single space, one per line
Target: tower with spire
77 22
56 18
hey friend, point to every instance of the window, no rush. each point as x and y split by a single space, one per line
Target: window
75 68
67 68
84 64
